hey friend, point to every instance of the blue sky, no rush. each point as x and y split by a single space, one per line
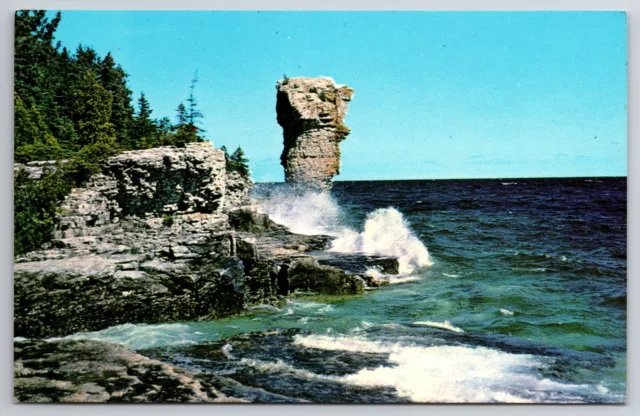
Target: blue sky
437 94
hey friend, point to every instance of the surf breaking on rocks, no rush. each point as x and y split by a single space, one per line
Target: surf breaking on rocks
385 231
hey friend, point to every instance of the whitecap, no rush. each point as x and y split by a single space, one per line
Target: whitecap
142 336
280 366
324 309
402 279
386 233
506 312
450 275
441 325
450 374
385 230
226 350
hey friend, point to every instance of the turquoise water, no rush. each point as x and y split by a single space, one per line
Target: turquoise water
521 296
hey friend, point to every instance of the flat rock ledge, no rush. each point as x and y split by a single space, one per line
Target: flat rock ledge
98 372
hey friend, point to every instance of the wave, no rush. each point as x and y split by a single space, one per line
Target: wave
142 336
308 213
393 280
385 231
442 325
390 279
452 374
280 366
226 350
506 312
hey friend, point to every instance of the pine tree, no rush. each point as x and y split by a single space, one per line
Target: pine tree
33 53
238 162
144 133
164 131
29 128
183 131
193 115
113 78
182 115
92 111
33 141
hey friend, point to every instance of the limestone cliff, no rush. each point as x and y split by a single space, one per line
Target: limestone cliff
311 112
151 183
163 235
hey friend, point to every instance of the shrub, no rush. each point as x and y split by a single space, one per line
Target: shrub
35 203
167 220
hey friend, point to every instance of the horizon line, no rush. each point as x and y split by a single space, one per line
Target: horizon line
466 179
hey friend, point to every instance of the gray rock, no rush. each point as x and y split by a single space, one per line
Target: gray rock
98 372
311 112
305 274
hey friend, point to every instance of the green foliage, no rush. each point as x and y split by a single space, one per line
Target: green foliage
75 106
167 220
144 131
35 204
113 78
39 151
237 162
91 111
87 161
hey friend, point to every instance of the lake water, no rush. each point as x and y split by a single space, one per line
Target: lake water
511 290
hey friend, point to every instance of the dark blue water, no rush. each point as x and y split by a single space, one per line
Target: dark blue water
521 297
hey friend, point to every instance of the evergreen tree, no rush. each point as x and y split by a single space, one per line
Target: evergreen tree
33 54
29 127
77 106
240 162
164 131
92 111
144 133
182 115
183 131
113 78
237 162
193 115
33 141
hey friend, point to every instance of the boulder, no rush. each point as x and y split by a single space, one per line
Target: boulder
306 275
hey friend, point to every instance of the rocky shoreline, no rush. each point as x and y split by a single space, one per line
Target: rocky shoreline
161 235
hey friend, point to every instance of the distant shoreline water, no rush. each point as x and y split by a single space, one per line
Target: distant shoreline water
462 179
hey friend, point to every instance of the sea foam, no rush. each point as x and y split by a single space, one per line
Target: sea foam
385 231
441 325
142 336
450 374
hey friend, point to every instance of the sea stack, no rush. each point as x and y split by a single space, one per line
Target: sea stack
311 112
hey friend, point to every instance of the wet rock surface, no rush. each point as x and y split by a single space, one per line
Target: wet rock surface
273 362
311 112
163 235
357 263
99 372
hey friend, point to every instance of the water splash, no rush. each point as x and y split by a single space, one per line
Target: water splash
385 231
452 374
